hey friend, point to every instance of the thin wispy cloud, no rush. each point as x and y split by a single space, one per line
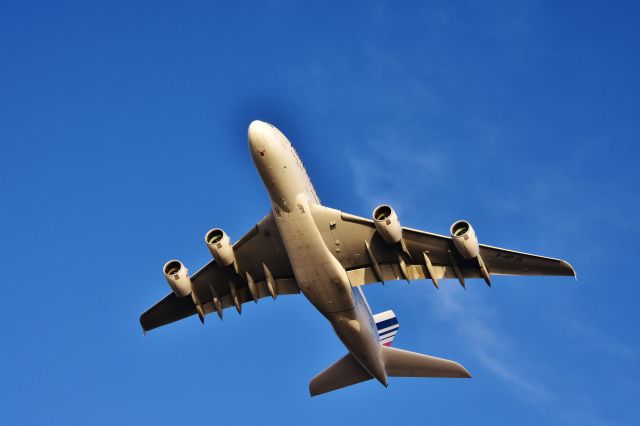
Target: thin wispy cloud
491 346
597 340
383 175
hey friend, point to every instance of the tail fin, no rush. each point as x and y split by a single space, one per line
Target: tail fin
387 325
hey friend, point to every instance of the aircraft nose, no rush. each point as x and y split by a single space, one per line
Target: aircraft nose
256 133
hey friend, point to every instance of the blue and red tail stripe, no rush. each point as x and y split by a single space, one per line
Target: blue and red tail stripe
387 325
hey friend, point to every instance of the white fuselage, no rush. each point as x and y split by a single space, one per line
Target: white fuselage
320 276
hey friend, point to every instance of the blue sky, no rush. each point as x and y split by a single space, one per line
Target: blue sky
123 139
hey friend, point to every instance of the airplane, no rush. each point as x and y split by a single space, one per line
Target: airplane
301 246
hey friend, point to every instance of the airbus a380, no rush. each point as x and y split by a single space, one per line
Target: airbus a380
328 255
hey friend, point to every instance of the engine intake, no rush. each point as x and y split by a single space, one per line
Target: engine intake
219 245
177 275
387 224
464 239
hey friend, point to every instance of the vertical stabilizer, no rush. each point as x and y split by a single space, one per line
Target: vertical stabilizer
387 325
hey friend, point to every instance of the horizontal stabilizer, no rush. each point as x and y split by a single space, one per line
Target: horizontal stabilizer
400 363
344 372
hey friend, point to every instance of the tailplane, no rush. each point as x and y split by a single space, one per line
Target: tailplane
347 370
401 363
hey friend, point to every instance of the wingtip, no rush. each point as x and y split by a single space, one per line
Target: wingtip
313 391
573 271
464 373
144 331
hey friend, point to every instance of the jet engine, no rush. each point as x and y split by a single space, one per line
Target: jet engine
465 240
387 224
220 247
178 277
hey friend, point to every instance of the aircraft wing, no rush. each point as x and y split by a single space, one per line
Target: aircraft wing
421 255
260 253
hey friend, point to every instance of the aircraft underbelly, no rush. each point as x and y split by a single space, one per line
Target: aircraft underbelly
323 280
320 276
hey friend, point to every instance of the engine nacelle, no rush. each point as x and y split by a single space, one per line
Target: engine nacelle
465 240
178 277
220 247
387 224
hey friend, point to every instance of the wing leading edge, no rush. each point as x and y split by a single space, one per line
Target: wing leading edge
421 255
